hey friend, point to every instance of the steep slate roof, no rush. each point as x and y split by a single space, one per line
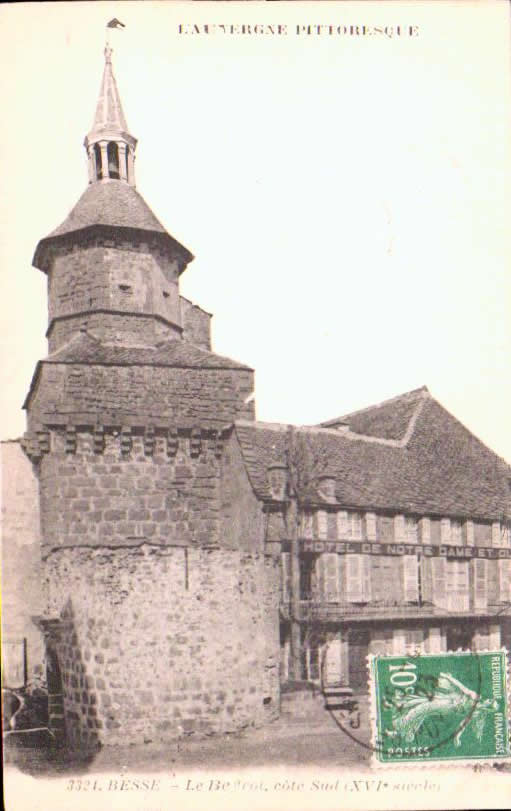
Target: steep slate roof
108 204
439 468
388 420
86 348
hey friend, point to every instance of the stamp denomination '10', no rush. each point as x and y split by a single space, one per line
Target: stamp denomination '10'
443 707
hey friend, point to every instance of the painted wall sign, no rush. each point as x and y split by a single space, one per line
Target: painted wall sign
365 548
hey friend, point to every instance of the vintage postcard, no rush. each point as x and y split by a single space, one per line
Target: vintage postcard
255 456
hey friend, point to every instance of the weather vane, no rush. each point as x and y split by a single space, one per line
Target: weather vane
115 23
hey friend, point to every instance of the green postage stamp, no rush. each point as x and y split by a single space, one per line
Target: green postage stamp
440 707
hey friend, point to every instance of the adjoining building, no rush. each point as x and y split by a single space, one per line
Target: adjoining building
166 601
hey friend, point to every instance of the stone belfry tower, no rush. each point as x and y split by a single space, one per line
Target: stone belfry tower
148 622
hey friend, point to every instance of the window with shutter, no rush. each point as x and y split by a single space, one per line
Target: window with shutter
480 589
496 535
469 533
457 585
367 577
322 522
410 570
357 578
342 525
445 530
456 533
285 577
438 581
425 530
329 577
399 528
355 526
411 530
504 580
370 519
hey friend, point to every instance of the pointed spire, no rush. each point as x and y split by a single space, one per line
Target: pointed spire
109 113
110 147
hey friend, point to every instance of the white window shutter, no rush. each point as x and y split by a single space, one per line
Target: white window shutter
329 577
410 566
496 538
370 520
354 571
438 581
425 530
427 579
285 577
342 525
505 580
480 588
366 564
445 530
456 533
399 528
355 519
469 533
322 522
411 530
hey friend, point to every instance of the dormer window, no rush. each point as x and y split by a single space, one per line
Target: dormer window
326 488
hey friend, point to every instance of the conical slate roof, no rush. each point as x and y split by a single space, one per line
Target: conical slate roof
111 204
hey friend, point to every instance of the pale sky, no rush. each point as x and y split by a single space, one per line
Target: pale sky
347 198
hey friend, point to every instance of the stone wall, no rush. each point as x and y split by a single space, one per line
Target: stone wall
183 396
130 277
113 499
243 525
196 324
157 642
21 554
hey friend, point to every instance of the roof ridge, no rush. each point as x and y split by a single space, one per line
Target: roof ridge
420 393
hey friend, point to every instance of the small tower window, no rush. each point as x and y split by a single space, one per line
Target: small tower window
126 156
113 160
97 161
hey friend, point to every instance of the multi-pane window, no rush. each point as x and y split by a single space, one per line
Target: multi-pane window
328 577
456 532
357 579
411 530
457 585
355 525
349 525
322 524
446 583
499 534
410 574
480 583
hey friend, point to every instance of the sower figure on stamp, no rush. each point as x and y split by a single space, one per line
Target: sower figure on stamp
450 700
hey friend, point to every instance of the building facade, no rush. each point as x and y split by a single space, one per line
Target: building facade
160 507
